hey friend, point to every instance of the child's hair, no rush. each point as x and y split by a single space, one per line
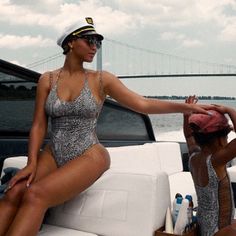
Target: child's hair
207 138
207 127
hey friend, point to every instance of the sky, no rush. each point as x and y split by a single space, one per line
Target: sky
203 30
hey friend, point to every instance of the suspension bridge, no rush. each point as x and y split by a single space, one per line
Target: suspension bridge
128 61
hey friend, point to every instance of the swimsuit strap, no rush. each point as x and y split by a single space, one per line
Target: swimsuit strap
101 88
58 76
85 76
53 83
51 79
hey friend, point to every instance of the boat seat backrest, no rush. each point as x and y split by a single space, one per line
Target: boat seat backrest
169 156
157 156
137 158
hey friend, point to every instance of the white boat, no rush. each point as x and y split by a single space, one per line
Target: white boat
131 198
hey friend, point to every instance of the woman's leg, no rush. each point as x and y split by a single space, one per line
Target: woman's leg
10 203
58 187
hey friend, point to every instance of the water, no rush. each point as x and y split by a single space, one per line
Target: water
17 115
168 127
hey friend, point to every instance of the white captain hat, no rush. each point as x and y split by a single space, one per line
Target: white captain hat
83 27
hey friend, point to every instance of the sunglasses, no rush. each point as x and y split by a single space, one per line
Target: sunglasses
91 40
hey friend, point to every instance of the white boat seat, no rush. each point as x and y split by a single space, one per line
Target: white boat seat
51 230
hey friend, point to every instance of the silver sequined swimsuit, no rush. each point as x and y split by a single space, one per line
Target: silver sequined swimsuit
73 123
208 210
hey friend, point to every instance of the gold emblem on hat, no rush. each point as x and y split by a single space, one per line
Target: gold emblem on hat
89 20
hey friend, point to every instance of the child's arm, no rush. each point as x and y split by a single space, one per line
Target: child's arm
191 143
227 153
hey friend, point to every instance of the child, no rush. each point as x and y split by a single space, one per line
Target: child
206 137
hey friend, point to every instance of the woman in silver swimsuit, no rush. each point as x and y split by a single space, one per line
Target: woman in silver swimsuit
72 97
209 150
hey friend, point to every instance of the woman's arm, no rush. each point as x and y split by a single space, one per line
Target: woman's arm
117 90
37 133
40 121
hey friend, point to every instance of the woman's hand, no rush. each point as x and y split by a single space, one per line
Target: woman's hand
27 173
222 109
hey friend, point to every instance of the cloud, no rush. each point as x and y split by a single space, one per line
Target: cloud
115 13
106 19
67 13
45 6
15 41
192 43
183 39
22 15
172 36
117 17
180 24
228 33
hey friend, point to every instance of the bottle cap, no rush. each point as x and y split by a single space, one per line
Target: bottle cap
179 200
178 195
189 197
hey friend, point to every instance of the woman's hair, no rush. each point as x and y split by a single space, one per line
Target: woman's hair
65 45
207 138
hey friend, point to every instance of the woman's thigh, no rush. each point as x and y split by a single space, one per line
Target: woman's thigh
74 177
45 164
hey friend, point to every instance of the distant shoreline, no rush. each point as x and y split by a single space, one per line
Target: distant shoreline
173 97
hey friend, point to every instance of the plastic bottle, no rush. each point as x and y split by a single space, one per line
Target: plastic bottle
182 218
178 195
169 223
174 202
190 209
176 207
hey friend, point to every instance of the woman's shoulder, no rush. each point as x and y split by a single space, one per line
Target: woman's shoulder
104 73
47 78
108 77
48 74
107 74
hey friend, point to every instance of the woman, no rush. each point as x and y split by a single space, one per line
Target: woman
206 137
73 160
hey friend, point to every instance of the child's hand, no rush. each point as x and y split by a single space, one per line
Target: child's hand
202 108
191 99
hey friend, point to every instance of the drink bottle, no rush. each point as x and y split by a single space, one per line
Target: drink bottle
182 218
176 207
190 209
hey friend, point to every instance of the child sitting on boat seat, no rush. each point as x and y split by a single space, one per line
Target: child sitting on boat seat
209 150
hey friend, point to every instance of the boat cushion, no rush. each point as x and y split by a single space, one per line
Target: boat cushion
232 173
169 156
118 204
51 230
19 162
137 159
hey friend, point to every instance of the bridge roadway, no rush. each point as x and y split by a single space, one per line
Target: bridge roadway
175 75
